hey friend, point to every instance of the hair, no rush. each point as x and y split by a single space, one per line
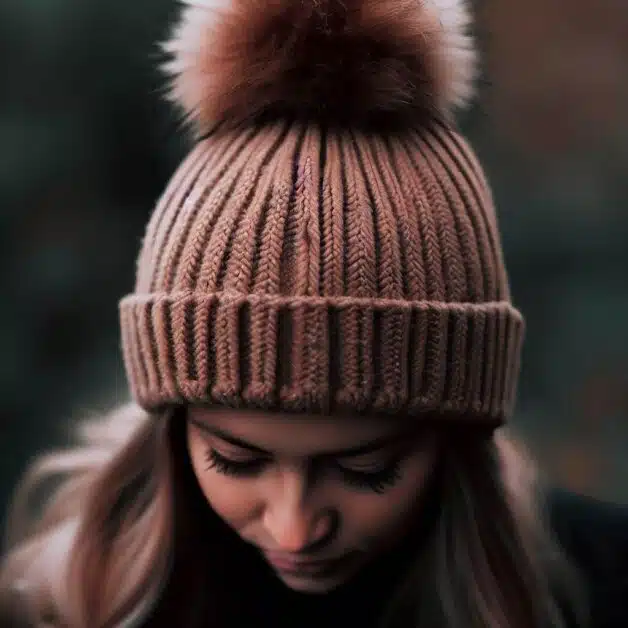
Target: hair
101 551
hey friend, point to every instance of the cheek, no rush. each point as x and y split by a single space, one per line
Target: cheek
380 519
234 500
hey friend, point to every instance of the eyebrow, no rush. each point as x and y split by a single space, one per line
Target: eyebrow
360 450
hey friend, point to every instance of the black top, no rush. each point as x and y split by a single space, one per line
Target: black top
594 535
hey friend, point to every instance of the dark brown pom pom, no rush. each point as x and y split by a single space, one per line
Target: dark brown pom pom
355 62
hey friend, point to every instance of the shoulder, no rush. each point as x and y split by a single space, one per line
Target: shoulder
593 531
594 536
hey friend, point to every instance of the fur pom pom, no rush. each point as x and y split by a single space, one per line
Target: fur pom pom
358 62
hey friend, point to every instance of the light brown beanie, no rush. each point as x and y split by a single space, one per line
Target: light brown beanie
330 244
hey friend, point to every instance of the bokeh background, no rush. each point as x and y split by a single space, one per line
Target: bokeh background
87 144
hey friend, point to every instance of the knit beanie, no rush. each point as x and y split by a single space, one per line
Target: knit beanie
330 244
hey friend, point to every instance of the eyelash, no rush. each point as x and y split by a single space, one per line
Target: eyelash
376 481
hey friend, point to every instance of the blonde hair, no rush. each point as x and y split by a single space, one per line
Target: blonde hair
99 553
56 556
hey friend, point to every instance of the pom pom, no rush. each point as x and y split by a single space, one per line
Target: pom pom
357 62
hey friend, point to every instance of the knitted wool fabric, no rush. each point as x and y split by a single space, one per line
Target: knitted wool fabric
300 267
288 268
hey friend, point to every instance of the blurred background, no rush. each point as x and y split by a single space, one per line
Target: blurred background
87 144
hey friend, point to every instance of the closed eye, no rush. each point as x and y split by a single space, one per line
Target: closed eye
376 478
234 467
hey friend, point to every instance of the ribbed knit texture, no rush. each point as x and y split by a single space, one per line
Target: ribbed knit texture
292 268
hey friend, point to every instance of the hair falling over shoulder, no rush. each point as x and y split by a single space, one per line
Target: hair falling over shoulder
95 553
99 553
492 560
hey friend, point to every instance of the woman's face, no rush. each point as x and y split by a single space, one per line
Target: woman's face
319 497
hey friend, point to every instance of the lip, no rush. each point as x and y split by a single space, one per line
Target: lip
294 564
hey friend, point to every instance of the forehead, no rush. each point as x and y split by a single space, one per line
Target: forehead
298 434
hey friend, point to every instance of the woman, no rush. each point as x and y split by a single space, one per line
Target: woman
321 348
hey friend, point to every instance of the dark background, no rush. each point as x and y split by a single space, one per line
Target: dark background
87 144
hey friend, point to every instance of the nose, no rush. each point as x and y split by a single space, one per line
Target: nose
291 517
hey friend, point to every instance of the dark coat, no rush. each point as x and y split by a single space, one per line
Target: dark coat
594 535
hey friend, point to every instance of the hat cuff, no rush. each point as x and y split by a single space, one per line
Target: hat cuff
323 354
